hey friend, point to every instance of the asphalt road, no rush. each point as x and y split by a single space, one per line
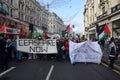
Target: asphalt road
54 70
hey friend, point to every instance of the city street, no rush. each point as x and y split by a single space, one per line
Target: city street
39 37
54 70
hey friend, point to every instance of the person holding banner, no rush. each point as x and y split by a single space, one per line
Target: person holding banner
61 49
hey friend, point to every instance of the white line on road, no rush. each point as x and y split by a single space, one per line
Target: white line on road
8 70
50 71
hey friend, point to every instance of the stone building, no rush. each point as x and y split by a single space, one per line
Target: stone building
29 11
56 24
99 12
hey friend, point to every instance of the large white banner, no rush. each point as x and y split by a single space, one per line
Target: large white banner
85 52
37 46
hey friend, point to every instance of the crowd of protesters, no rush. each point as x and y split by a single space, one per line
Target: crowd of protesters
8 50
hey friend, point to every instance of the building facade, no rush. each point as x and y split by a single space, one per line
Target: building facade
29 11
56 24
32 13
99 12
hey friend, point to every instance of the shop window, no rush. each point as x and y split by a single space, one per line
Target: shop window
19 25
19 5
15 24
7 22
11 23
22 6
2 20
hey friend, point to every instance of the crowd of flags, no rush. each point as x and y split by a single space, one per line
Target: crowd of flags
105 33
68 31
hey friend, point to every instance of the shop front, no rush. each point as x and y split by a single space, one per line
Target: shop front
116 28
12 28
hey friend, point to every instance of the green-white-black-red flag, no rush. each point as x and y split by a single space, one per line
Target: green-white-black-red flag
105 33
68 29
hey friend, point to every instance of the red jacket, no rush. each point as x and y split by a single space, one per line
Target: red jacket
66 46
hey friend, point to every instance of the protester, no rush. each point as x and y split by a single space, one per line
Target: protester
67 49
78 40
3 55
83 38
9 48
112 53
107 46
14 44
61 49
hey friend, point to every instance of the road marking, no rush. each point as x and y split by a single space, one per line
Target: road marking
104 64
49 73
8 70
116 71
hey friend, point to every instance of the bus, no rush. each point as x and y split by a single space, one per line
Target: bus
12 27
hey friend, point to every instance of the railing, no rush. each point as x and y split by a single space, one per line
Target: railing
115 8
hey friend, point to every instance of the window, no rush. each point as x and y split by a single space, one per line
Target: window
11 13
19 25
11 2
103 10
7 10
1 6
101 1
19 5
22 6
19 15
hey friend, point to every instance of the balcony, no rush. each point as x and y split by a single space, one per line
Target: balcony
102 15
115 8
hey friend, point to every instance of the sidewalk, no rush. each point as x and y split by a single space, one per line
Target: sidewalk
105 59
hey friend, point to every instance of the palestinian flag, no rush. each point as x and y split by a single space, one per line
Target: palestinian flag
105 33
68 29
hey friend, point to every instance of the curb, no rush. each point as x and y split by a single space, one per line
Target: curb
116 67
